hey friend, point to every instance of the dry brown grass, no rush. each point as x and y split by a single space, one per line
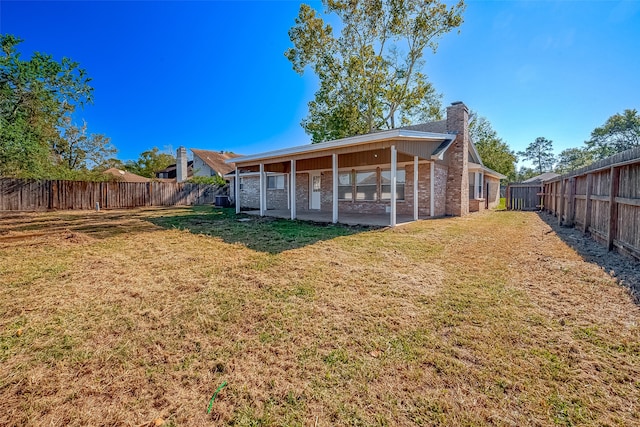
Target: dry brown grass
109 319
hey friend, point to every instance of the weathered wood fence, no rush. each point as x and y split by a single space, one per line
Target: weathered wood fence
523 197
40 195
602 199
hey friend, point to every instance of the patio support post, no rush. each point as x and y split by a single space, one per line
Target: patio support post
415 188
262 186
432 189
236 183
292 188
335 186
394 179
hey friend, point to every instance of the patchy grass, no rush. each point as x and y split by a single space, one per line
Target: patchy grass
262 234
121 318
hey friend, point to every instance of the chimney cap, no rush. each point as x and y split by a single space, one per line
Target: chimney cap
457 103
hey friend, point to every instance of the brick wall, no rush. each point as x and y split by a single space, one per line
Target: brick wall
277 198
302 191
457 158
405 207
424 190
250 193
441 173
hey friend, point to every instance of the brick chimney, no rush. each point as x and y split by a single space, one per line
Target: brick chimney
457 159
181 164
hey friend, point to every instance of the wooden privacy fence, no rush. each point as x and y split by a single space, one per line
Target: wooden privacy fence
523 197
40 195
602 199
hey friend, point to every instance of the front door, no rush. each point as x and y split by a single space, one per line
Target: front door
314 190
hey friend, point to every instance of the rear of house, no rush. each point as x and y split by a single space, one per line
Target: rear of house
421 171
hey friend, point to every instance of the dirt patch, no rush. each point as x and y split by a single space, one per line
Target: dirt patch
625 270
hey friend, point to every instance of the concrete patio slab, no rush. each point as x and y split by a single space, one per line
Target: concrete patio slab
378 220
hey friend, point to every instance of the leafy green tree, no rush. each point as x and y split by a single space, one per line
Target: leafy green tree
150 162
525 173
76 150
37 98
619 133
371 74
111 162
573 158
494 152
540 153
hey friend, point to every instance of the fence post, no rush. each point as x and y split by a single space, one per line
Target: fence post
571 203
587 204
613 206
561 207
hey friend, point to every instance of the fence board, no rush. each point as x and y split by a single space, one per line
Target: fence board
40 195
606 201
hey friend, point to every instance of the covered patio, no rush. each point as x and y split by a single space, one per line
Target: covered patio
383 179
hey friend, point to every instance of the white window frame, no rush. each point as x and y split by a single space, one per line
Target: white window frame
376 185
400 172
350 185
278 180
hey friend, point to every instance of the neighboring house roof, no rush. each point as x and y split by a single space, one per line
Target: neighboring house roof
216 160
542 177
125 176
171 171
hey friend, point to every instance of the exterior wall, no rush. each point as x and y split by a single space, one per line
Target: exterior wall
493 195
476 205
457 159
200 168
441 173
424 191
405 207
302 191
277 198
250 193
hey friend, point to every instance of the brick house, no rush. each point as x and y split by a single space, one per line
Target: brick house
434 168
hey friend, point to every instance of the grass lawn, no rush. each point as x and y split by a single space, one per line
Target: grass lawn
136 317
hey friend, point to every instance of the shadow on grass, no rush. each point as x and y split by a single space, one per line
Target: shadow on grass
625 270
272 235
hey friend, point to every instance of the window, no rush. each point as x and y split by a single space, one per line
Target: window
345 186
366 185
241 183
275 182
385 184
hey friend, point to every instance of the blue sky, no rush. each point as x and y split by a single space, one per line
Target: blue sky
213 75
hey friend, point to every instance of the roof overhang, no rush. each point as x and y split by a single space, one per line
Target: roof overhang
475 167
325 148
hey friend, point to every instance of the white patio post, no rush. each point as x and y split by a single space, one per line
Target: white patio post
237 190
262 185
415 188
476 182
335 187
394 173
292 188
432 188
